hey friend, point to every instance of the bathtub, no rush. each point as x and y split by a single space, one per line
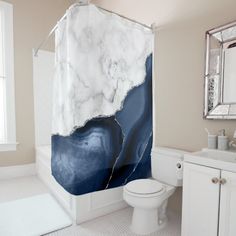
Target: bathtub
81 208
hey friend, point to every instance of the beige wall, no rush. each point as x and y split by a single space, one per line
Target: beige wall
179 56
33 19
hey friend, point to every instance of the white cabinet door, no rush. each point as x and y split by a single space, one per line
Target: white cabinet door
228 205
200 201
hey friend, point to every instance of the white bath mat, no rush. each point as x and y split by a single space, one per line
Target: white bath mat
32 216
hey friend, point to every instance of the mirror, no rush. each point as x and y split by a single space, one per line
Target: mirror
229 93
220 74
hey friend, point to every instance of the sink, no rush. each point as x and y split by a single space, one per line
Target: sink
224 160
228 156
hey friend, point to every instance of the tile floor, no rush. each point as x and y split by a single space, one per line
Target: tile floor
115 224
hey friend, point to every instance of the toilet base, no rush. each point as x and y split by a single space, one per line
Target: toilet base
145 221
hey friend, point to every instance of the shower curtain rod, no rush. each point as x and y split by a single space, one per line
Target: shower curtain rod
152 27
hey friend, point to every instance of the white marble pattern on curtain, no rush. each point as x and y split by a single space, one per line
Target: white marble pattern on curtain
100 57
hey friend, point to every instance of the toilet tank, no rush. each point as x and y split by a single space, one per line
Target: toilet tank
167 166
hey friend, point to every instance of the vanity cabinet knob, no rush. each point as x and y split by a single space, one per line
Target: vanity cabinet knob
215 180
223 181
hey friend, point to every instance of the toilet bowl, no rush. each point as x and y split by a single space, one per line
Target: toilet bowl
149 197
149 200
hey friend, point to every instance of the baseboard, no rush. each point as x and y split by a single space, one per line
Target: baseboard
11 172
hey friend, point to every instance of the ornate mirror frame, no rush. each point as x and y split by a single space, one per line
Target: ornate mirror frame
216 43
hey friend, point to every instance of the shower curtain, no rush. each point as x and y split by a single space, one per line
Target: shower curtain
102 101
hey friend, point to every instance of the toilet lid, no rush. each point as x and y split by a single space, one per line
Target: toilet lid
144 186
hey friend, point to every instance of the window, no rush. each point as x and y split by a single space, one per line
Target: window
7 93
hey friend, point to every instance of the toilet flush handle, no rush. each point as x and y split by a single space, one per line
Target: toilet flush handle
179 165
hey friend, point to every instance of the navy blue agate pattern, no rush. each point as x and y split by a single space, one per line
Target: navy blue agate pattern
111 151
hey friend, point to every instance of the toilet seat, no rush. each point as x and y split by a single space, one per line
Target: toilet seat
145 187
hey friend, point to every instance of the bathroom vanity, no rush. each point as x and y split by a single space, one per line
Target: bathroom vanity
209 193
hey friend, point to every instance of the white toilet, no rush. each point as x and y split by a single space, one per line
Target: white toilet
149 197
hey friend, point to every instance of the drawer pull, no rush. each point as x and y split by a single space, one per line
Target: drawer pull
223 181
215 180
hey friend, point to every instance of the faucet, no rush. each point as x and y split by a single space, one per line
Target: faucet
222 132
232 143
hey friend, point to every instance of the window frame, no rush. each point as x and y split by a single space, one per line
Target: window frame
10 143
